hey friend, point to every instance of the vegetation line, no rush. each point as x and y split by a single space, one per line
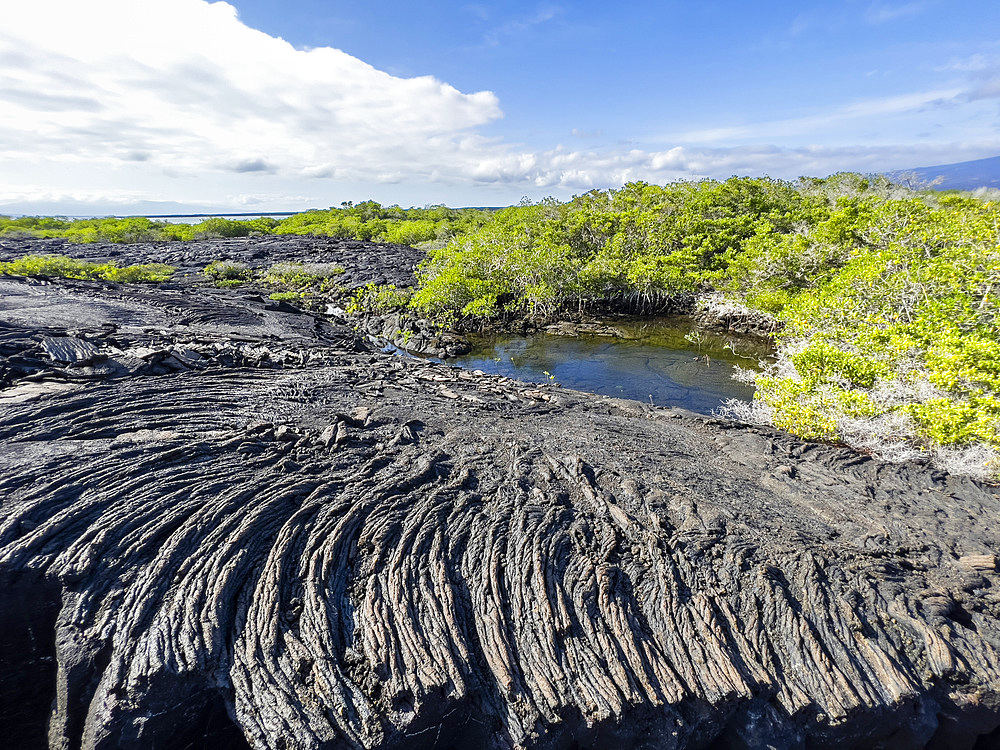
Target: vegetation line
365 221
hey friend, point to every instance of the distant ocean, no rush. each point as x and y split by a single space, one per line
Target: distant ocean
197 218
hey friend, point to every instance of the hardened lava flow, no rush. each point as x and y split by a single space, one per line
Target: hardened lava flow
229 523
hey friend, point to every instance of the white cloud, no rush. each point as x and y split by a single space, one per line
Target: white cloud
880 12
970 64
186 85
867 109
518 27
560 171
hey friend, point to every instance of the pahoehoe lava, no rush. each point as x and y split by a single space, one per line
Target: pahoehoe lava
228 523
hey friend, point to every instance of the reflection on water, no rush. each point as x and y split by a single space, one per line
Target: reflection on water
666 361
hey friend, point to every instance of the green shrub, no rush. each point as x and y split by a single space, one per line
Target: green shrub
145 273
227 273
298 275
903 328
130 230
71 268
371 221
378 299
219 227
643 245
50 265
410 232
365 221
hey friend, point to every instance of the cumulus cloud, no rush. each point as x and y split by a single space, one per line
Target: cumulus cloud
571 171
189 85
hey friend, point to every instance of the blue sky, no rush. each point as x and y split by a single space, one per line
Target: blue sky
659 70
263 106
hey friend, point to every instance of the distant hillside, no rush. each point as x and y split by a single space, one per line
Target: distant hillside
963 175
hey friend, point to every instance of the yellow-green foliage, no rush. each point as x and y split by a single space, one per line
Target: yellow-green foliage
410 232
904 324
33 226
286 296
227 273
91 230
642 243
296 275
71 268
518 254
371 221
364 221
378 299
135 229
290 276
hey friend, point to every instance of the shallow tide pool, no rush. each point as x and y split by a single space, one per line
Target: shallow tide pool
665 361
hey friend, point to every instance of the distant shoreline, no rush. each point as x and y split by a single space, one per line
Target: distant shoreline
220 214
206 216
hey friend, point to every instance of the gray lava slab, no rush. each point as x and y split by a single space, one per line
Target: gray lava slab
70 350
